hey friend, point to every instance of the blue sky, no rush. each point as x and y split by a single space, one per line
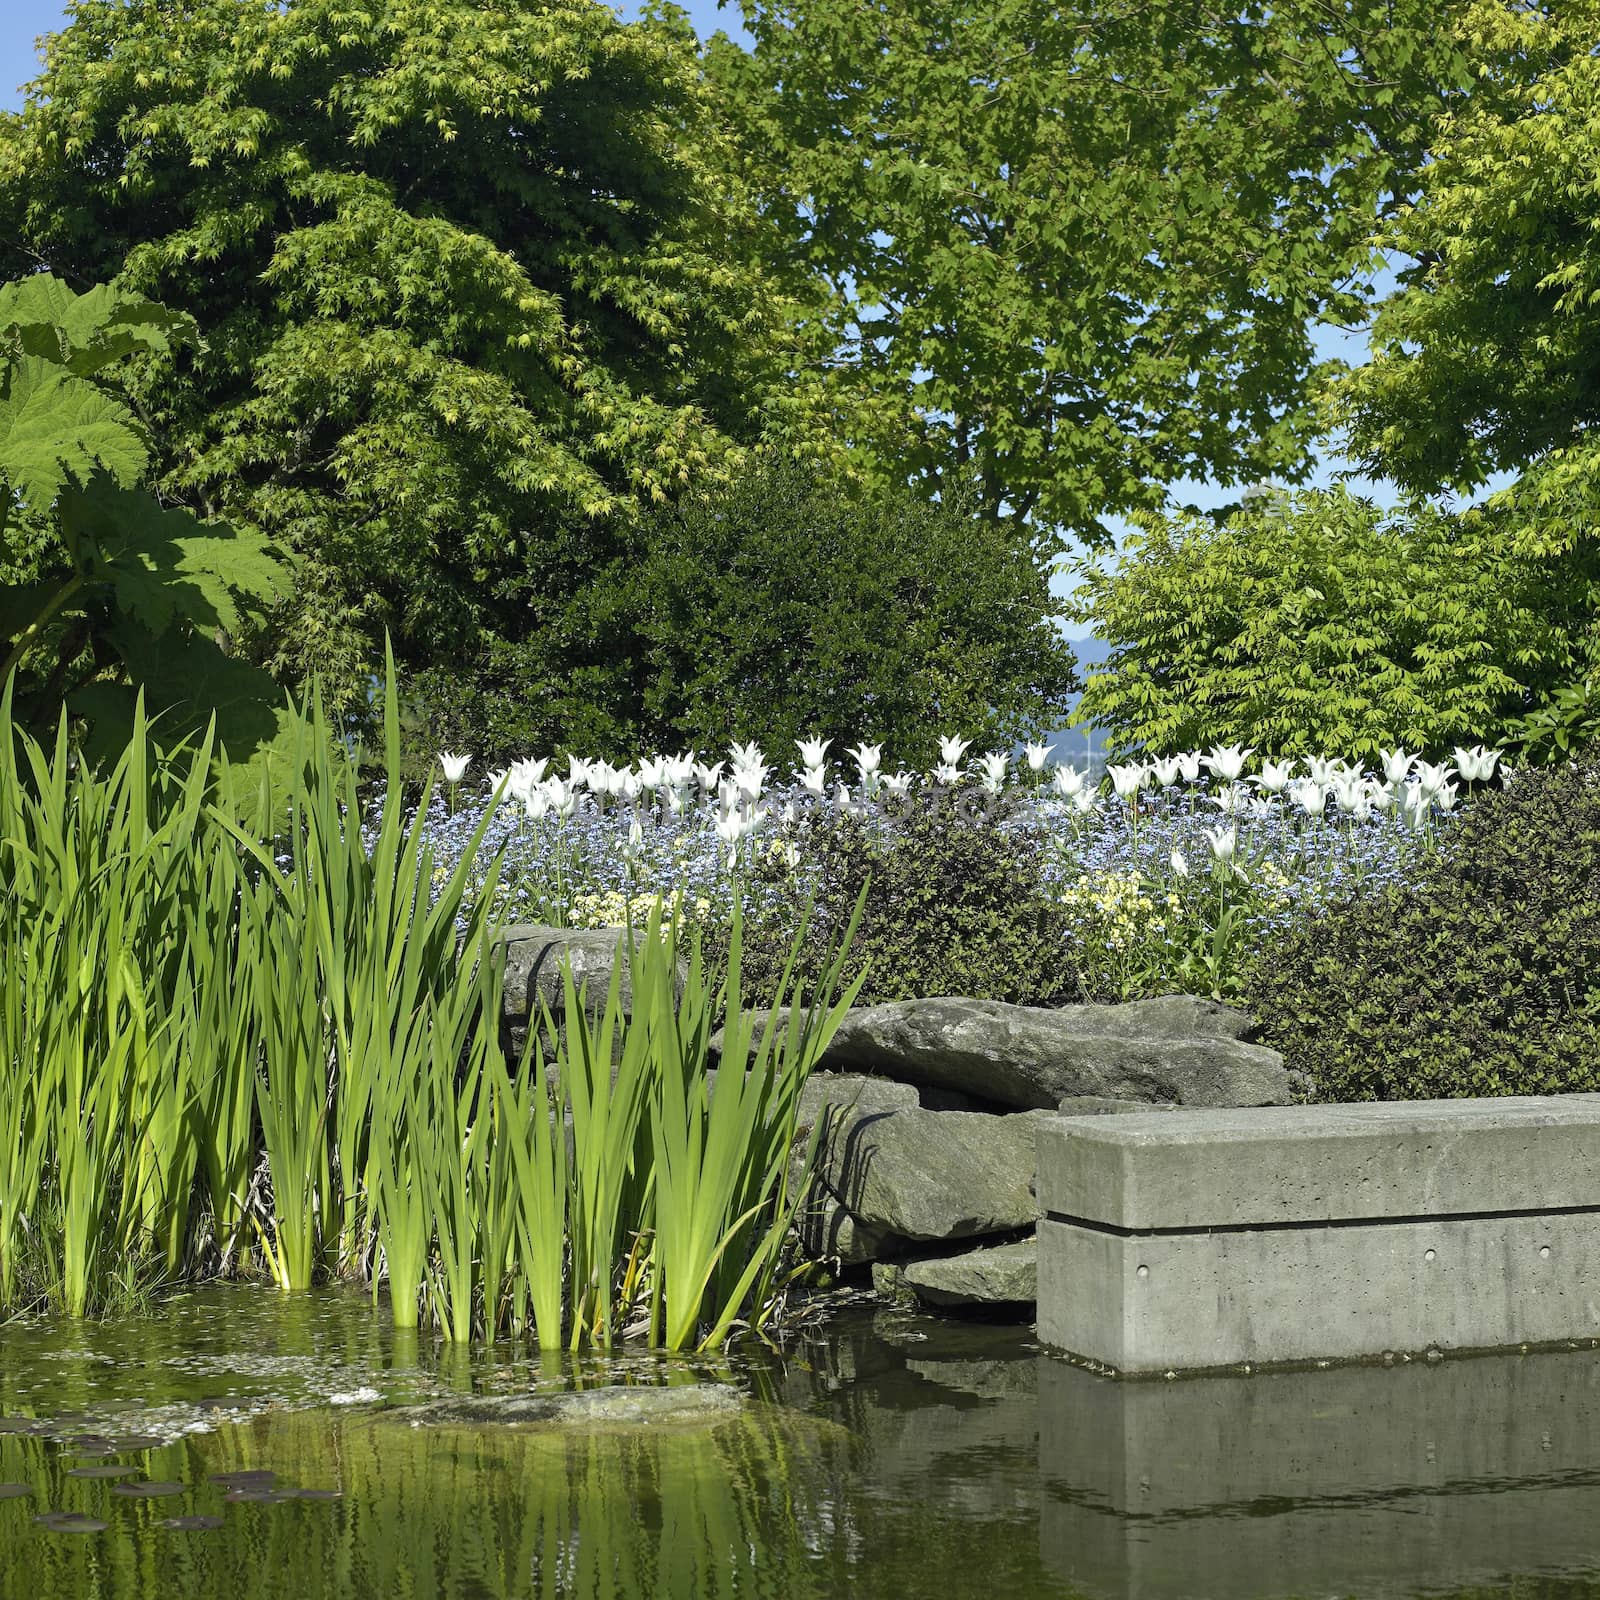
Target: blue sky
25 20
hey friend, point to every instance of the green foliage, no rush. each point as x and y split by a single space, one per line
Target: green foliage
1482 977
680 1193
1079 249
953 905
102 589
470 285
180 1000
1318 624
786 606
1483 359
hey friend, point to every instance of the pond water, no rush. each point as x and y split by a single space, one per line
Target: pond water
886 1455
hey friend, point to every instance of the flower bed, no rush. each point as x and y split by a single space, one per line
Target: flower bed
1162 875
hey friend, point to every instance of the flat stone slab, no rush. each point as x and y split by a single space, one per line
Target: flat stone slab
1032 1057
1000 1274
616 1405
1187 1239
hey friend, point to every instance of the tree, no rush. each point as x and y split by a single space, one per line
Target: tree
470 288
787 605
1484 358
104 592
1318 624
1079 248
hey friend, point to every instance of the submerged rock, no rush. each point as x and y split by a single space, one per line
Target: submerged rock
617 1405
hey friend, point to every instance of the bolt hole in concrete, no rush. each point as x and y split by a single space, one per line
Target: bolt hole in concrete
1144 1272
1428 1255
1544 1252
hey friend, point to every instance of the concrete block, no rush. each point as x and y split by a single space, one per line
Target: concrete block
1279 1164
1188 1240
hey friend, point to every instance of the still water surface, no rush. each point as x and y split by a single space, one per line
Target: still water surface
890 1455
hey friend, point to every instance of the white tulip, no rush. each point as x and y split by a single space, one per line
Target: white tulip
1349 792
1321 770
813 752
1166 770
653 773
866 757
497 782
1068 780
951 750
898 783
1086 800
536 803
1128 779
1224 842
1310 796
1432 779
994 769
1189 766
1275 776
636 833
814 781
455 767
708 777
750 781
1227 761
1179 862
578 770
1379 795
947 774
1231 800
1037 755
1477 764
745 755
1396 765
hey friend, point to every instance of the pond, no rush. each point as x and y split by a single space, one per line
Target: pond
886 1454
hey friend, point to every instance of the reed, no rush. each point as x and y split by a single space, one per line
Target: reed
220 1050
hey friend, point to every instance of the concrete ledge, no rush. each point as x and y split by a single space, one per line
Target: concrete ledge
1203 1239
1281 1164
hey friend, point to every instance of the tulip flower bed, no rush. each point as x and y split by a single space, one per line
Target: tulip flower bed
1168 871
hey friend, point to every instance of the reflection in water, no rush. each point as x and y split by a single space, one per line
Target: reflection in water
891 1456
1470 1475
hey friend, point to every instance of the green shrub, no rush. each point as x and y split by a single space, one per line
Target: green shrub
1481 978
954 906
1320 624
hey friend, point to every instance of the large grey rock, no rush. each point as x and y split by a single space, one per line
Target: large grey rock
533 973
933 1174
1000 1274
1174 1051
618 1405
826 1229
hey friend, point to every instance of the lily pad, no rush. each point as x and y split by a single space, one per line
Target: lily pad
316 1494
71 1522
152 1489
102 1469
128 1443
25 1425
245 1478
264 1496
15 1491
189 1524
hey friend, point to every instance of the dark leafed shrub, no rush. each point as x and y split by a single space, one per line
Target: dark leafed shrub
954 907
1481 978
